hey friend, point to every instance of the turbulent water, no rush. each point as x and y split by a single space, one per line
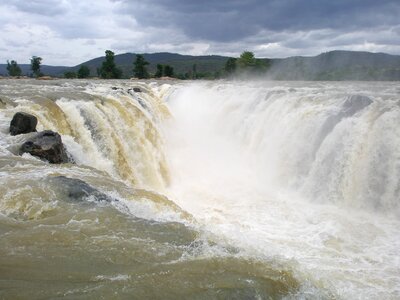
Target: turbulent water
210 190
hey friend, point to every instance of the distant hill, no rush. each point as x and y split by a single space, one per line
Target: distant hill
334 65
337 65
180 63
45 69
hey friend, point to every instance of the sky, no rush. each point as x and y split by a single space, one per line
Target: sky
69 32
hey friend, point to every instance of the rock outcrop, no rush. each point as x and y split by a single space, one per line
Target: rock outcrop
23 123
46 145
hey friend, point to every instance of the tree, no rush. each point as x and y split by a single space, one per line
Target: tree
69 74
230 65
168 71
139 69
160 71
13 68
108 69
83 71
35 65
247 60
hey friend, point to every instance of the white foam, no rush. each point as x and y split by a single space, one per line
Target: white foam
243 160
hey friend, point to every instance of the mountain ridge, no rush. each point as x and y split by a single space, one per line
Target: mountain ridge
332 65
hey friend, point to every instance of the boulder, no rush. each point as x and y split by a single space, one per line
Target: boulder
47 145
23 123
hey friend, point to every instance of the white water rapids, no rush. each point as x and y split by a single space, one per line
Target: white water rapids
304 173
303 177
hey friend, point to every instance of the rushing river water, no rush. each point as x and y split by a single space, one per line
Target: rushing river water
203 190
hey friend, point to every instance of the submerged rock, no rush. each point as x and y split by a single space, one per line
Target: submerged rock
77 190
46 145
354 104
23 123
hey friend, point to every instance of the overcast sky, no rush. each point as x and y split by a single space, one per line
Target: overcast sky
68 32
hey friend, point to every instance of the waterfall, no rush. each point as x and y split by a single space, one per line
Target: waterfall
109 129
326 144
208 189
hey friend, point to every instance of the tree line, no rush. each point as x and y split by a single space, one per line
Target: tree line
14 70
109 69
245 64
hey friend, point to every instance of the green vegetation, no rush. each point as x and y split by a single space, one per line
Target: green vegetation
83 71
13 68
333 65
139 67
35 65
69 74
247 64
168 71
230 66
246 60
160 71
108 69
164 70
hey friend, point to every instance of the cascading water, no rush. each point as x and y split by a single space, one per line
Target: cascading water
307 174
332 143
207 190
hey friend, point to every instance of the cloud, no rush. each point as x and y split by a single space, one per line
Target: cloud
71 31
40 7
231 20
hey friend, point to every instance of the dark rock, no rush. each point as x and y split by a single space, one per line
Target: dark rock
46 145
77 190
135 89
23 123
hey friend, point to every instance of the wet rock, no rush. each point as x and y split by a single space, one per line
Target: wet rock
47 145
135 89
23 123
77 190
354 104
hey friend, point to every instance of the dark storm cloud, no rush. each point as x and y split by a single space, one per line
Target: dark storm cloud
231 20
71 31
